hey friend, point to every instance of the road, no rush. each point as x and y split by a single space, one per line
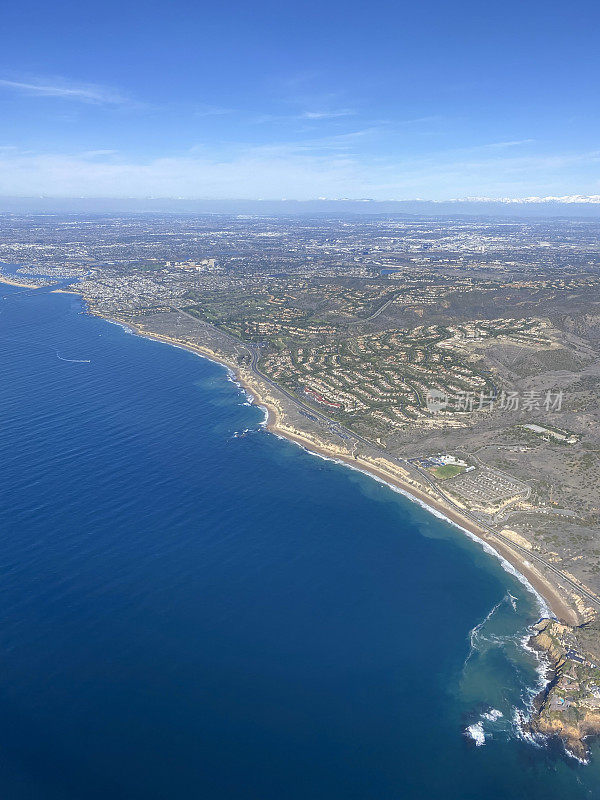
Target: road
376 313
523 550
339 429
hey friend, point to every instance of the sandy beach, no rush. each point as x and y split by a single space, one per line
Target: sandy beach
276 423
12 282
543 587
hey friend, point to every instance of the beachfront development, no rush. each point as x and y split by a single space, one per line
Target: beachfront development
458 361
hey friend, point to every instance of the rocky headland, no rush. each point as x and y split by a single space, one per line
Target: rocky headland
569 706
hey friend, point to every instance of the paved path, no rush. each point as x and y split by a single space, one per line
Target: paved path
376 313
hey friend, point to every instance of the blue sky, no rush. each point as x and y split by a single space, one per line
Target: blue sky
316 99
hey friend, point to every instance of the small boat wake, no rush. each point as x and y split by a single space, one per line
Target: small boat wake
73 360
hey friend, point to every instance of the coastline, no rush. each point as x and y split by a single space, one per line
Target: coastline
543 589
11 282
554 607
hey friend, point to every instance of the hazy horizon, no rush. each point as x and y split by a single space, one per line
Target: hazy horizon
170 205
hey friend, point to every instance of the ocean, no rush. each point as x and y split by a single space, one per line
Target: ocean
191 607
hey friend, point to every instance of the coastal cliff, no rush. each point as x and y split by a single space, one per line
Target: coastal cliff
569 707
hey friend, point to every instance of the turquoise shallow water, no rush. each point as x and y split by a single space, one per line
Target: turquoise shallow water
186 613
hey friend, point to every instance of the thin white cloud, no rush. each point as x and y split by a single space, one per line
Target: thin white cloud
306 116
315 146
503 145
342 112
66 90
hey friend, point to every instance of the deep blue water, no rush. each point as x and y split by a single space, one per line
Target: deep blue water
189 614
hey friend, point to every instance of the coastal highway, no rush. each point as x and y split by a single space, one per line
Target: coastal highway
339 429
401 462
594 599
334 427
253 351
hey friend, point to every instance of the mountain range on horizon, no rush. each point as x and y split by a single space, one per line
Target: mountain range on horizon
567 206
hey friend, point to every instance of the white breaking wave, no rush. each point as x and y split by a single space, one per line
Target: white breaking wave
476 733
246 431
127 329
520 722
543 665
518 714
492 715
476 730
506 565
231 377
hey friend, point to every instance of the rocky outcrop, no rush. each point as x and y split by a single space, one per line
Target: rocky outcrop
569 707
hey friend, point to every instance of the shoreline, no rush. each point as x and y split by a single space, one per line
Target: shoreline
527 574
536 583
11 282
